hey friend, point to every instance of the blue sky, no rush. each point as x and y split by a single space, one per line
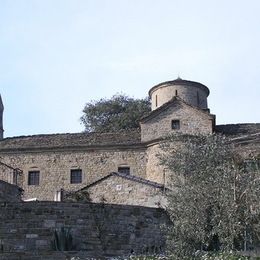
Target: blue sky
56 55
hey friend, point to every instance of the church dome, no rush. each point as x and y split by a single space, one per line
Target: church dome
193 93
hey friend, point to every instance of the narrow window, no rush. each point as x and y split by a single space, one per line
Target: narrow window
125 170
34 178
198 98
75 176
176 124
176 92
156 100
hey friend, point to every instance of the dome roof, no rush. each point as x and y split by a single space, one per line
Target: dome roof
180 81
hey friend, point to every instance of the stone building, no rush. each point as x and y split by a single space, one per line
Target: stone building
122 167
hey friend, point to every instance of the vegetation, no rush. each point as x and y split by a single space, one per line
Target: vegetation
204 256
77 196
214 203
118 113
62 239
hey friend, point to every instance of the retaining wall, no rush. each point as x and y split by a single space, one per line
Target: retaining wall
98 230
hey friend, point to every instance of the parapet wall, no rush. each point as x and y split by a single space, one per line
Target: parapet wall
97 229
9 192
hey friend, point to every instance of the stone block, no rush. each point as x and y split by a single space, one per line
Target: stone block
31 236
49 223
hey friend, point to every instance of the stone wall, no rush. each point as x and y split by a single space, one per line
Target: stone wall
192 121
9 192
55 155
120 190
155 171
193 95
97 229
55 166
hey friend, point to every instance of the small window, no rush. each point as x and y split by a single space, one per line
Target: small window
176 92
156 101
125 170
76 176
176 124
33 178
198 98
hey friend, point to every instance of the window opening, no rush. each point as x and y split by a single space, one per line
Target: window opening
75 176
198 98
125 170
33 177
176 124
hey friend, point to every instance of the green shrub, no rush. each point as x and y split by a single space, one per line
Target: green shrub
62 239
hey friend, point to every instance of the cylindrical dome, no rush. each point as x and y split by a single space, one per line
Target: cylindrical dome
191 92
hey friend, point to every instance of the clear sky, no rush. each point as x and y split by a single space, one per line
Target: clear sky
56 55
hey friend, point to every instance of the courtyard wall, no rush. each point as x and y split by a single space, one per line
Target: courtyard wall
97 229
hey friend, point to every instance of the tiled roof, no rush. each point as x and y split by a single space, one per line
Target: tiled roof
162 108
128 177
129 137
180 81
242 134
238 129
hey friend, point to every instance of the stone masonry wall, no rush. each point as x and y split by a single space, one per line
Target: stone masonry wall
55 166
247 146
190 94
192 121
6 174
155 171
97 229
123 191
9 192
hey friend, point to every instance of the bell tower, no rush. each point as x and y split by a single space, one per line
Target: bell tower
1 118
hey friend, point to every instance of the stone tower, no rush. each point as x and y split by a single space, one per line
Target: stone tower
193 93
1 118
